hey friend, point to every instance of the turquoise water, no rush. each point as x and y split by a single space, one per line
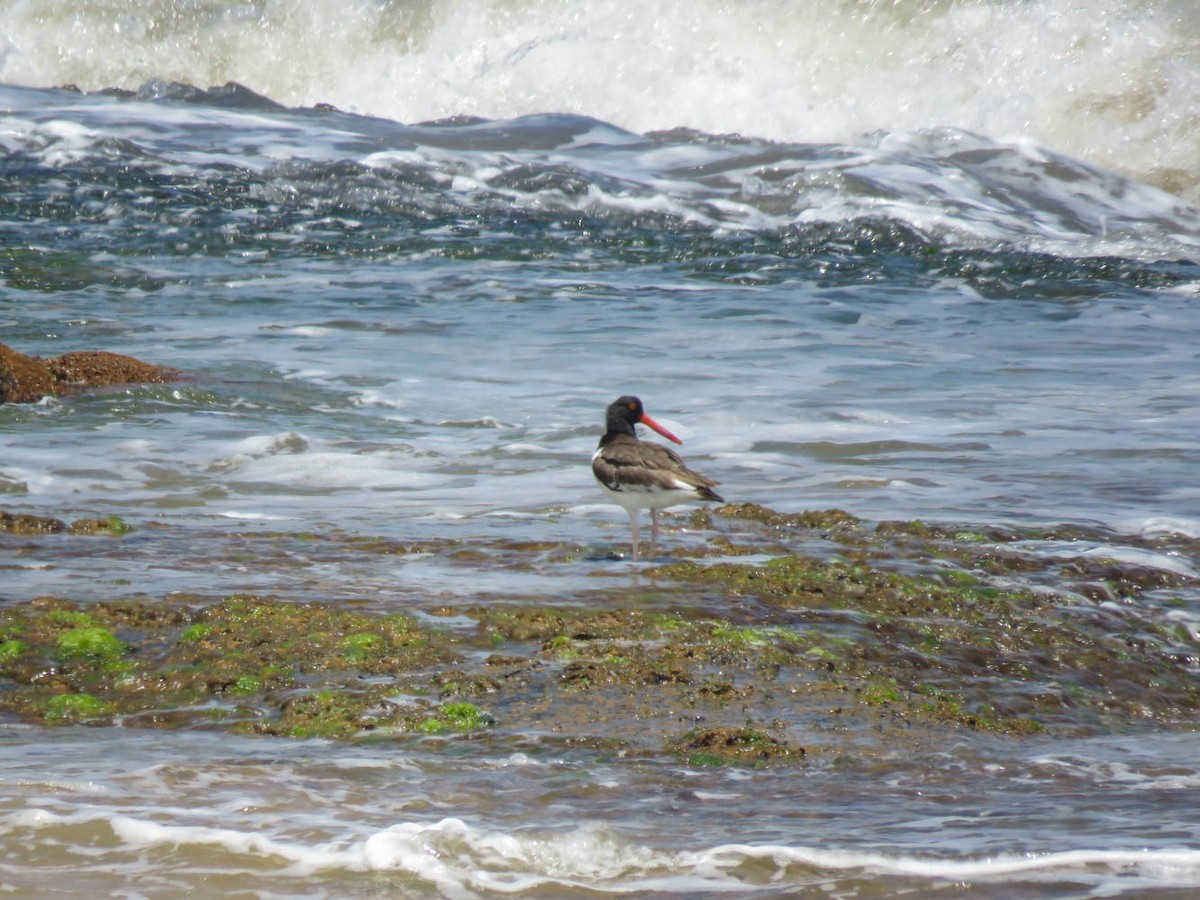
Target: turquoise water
411 331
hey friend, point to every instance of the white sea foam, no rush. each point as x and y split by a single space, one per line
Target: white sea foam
949 186
1157 525
143 833
251 516
1113 81
259 446
333 470
1130 777
1133 556
1179 867
462 860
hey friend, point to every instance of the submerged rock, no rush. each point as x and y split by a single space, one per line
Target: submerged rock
745 745
26 524
27 379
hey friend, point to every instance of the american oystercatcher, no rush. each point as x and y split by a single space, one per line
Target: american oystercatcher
641 475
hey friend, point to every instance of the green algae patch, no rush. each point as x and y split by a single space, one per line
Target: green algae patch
247 684
74 708
96 646
194 633
258 659
880 693
457 716
73 618
11 649
360 646
113 526
465 716
561 647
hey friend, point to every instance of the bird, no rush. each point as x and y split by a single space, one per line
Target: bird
643 475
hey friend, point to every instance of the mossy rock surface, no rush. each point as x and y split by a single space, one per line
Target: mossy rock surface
26 524
735 746
784 631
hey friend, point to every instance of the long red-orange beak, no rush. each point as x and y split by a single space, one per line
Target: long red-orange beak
646 420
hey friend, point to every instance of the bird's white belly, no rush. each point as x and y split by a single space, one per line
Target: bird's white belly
641 497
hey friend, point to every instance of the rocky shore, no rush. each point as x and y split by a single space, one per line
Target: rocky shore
754 651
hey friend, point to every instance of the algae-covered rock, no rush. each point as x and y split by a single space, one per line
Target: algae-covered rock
457 716
826 519
91 645
838 637
22 523
27 524
735 746
74 708
286 668
113 526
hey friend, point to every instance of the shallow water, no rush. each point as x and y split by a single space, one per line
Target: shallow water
161 813
410 332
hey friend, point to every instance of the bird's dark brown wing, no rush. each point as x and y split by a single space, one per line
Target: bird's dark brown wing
630 463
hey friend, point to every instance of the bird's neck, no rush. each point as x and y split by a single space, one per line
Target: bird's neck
616 434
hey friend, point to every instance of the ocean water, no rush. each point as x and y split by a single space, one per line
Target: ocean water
915 260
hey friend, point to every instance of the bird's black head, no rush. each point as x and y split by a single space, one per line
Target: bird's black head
623 413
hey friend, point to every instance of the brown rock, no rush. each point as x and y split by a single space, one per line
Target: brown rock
738 745
27 379
23 379
95 368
